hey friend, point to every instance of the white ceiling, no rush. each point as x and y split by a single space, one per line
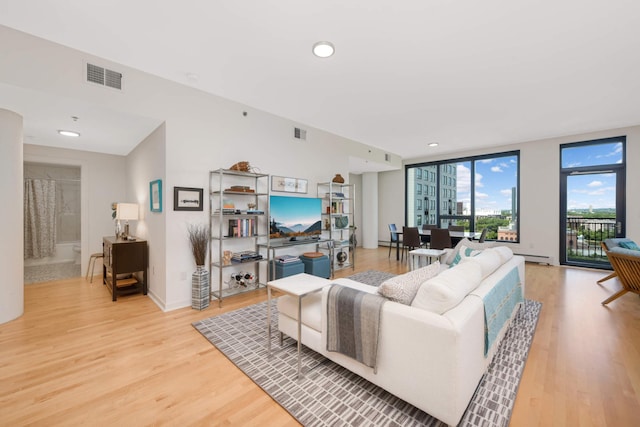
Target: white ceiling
463 73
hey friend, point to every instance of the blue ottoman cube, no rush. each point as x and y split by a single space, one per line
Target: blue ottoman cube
288 269
316 264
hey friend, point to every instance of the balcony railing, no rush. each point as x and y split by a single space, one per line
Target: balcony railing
584 238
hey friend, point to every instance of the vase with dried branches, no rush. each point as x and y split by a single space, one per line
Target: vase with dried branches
200 292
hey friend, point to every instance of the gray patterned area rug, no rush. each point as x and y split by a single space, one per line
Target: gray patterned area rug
330 395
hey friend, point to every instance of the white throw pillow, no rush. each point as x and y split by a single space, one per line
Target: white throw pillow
505 253
488 260
446 290
449 257
403 288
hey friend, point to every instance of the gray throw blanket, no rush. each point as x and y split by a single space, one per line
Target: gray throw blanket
353 322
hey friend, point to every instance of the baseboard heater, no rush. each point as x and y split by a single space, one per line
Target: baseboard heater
540 259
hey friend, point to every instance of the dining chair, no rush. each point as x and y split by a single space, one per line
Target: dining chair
483 235
410 240
426 239
394 239
456 227
440 238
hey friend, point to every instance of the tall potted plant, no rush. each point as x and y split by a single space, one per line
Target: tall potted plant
199 240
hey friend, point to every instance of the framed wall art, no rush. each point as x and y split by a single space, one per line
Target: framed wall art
155 195
288 185
187 199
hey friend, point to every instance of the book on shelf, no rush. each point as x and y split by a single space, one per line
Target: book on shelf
242 227
245 256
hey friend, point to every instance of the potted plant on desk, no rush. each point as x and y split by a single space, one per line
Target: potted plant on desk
199 240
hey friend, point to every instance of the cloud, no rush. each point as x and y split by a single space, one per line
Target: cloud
463 179
486 160
506 192
504 165
480 195
496 169
594 184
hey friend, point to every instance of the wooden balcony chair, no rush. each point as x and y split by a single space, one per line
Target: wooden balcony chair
410 240
627 268
610 276
456 227
483 235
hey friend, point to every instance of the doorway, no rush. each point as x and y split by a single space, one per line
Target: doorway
592 198
52 222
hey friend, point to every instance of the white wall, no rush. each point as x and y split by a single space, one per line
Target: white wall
202 133
539 189
146 163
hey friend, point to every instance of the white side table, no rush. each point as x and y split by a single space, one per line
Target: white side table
429 254
299 285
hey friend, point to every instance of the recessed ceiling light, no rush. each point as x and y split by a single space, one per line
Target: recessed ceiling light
433 144
323 49
68 133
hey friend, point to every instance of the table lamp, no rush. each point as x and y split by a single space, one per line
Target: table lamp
126 212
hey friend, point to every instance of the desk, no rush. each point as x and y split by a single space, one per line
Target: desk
124 256
456 236
298 286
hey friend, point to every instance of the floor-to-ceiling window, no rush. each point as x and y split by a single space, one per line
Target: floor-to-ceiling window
592 199
475 192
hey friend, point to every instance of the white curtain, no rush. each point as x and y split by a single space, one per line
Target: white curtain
39 218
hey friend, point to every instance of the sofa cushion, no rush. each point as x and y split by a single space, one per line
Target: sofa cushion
505 253
629 244
488 260
615 242
463 253
403 287
621 250
451 254
446 290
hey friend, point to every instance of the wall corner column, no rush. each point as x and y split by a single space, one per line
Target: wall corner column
12 242
370 210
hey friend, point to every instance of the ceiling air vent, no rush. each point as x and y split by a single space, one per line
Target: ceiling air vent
387 157
300 134
104 77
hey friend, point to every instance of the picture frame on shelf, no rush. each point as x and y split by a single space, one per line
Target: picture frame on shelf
155 195
187 199
288 185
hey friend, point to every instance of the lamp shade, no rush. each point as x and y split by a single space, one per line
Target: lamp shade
127 211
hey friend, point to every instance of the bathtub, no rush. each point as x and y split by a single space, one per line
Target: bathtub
65 252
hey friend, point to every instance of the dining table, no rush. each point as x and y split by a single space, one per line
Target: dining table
456 236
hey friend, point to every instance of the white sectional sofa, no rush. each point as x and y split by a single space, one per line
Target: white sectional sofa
431 356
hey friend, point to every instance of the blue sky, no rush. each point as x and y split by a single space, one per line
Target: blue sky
494 180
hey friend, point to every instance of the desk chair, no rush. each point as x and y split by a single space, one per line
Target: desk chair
92 262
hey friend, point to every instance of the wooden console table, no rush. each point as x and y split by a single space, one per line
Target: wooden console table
121 257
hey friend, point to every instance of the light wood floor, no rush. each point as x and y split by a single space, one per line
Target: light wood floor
76 358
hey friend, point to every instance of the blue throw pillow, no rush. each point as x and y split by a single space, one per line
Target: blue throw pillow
629 244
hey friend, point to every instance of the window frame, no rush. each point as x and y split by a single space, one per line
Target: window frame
439 198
